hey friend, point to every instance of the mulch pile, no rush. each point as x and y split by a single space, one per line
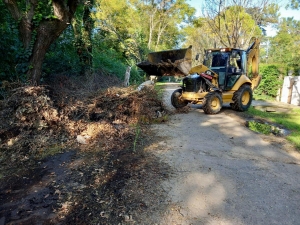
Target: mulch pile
99 172
34 119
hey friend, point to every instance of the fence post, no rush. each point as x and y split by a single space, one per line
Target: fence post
292 81
127 76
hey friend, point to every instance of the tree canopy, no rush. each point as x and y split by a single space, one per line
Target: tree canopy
39 25
41 38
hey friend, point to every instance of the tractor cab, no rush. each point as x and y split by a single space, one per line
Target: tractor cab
222 78
228 63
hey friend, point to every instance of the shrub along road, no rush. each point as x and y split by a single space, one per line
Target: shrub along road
225 173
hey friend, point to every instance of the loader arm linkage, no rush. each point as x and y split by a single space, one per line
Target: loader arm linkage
253 60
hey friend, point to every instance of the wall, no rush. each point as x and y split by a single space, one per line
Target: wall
289 95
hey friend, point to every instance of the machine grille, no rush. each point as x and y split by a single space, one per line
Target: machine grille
189 85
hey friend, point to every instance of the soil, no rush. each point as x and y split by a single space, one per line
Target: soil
75 152
224 173
72 153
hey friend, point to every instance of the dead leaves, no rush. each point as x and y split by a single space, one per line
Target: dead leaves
35 118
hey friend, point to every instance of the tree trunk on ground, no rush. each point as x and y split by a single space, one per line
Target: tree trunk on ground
41 33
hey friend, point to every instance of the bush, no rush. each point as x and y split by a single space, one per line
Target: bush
10 46
61 56
109 61
271 80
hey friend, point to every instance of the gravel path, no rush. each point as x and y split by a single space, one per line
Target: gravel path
225 173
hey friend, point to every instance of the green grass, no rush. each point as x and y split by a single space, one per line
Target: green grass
262 128
290 121
263 97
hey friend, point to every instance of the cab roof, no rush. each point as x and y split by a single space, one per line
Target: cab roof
223 49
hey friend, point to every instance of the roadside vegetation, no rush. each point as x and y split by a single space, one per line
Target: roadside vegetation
267 91
287 120
62 73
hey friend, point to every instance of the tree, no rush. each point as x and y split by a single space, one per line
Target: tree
285 45
163 18
177 13
119 25
200 36
233 28
39 25
9 45
235 22
264 15
83 25
135 27
271 81
294 4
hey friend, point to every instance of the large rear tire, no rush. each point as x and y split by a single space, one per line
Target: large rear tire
176 100
242 98
212 103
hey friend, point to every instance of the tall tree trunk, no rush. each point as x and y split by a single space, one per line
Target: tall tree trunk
47 33
41 33
151 28
83 25
152 25
88 25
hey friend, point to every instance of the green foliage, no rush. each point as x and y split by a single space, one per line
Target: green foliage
83 26
23 59
110 61
262 128
134 24
135 77
262 97
41 11
235 19
10 46
107 60
121 37
290 121
269 14
294 4
271 80
284 47
62 56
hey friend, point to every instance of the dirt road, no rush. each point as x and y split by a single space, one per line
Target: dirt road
225 173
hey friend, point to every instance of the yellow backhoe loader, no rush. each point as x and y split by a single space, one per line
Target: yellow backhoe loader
222 78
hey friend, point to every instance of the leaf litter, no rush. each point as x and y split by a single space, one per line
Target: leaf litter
71 155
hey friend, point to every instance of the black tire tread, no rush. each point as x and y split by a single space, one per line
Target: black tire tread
206 105
237 98
174 100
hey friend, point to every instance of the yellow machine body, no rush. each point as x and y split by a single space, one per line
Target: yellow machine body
222 78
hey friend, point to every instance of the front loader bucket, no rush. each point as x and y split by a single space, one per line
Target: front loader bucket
168 63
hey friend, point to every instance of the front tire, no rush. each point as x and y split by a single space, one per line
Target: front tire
212 103
242 98
176 100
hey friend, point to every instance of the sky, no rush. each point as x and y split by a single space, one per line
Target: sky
197 4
